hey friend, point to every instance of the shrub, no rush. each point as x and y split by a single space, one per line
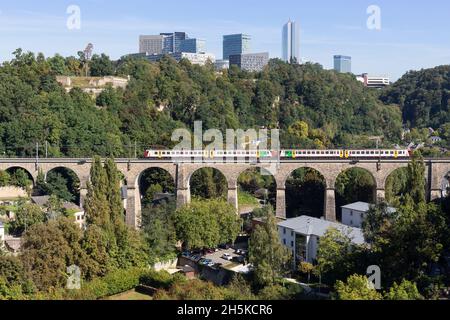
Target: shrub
114 283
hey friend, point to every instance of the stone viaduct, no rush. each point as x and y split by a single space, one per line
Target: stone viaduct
132 169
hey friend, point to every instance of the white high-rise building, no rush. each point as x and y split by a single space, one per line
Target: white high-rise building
291 42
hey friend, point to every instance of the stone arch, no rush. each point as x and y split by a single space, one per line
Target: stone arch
292 210
167 182
31 176
72 184
369 196
215 169
272 190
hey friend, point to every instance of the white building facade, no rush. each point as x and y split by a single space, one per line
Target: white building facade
373 81
291 42
353 215
302 236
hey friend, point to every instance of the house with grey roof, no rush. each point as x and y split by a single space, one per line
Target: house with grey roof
302 236
354 214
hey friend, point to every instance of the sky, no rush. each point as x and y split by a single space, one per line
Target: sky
412 35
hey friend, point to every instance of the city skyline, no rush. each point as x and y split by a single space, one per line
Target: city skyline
327 29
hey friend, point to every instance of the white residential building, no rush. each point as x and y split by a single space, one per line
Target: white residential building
373 81
302 236
354 214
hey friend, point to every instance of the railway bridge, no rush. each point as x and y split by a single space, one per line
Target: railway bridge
181 173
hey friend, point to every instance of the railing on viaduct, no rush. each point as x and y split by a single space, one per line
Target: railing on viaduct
181 173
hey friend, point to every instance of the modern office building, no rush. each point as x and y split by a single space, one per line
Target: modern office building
376 82
252 62
162 43
152 44
235 44
291 42
193 45
343 64
172 41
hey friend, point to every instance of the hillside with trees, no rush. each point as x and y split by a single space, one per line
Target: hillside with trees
424 99
314 107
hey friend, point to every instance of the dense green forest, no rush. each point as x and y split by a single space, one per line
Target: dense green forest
313 107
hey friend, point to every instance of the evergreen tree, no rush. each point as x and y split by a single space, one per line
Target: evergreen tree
266 252
96 206
113 191
416 177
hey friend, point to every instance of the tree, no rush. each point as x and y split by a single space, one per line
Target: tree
356 288
416 177
48 249
110 243
159 230
407 290
205 224
306 268
14 277
27 215
96 205
21 179
239 289
266 252
114 197
335 256
54 208
4 179
101 65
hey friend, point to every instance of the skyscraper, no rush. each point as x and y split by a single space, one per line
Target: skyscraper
343 64
291 42
235 44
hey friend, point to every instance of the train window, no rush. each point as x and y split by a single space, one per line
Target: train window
372 152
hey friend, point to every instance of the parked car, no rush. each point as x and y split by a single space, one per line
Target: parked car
239 259
224 246
205 262
186 254
227 257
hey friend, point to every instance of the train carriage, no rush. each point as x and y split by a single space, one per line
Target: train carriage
260 155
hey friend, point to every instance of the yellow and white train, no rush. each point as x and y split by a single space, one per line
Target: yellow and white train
282 155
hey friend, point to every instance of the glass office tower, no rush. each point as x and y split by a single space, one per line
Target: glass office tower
235 44
343 64
291 42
